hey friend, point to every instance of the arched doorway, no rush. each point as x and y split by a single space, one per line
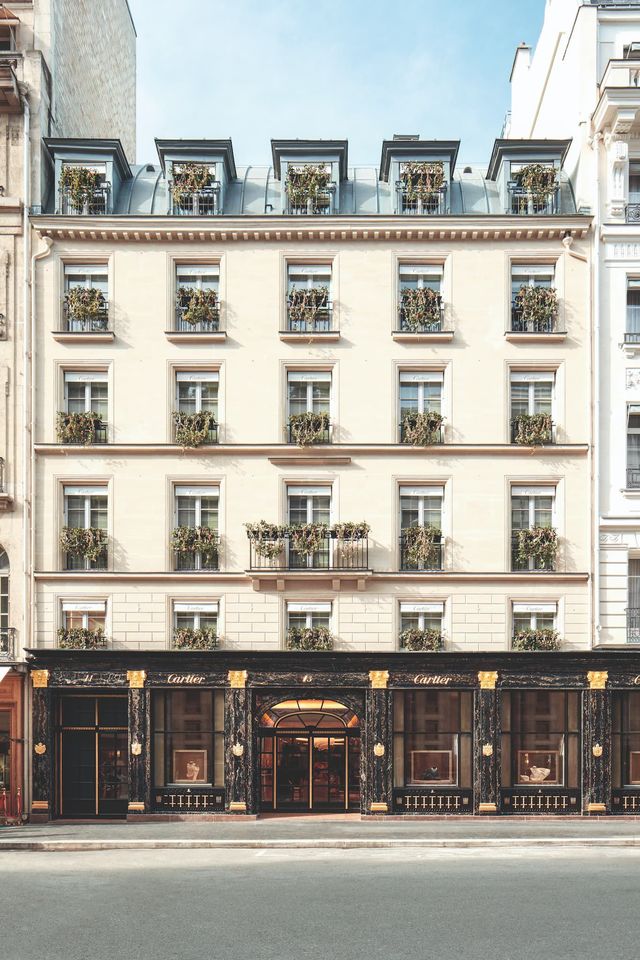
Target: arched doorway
309 756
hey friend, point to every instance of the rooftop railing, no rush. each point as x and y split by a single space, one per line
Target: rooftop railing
433 205
522 203
95 205
321 204
199 203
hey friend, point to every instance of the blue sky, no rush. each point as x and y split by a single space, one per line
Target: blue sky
356 69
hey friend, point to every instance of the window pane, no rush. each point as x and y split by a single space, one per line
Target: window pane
209 512
186 511
75 511
98 512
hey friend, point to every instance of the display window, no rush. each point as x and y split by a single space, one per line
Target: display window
541 738
188 737
626 739
432 731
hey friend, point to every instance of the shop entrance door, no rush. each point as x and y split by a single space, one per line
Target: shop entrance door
92 768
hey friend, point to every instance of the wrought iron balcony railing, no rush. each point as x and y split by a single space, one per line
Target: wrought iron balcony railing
212 435
96 324
633 478
332 554
633 625
8 650
200 203
522 203
548 436
322 204
437 434
100 435
211 325
532 563
431 325
74 561
434 205
96 204
432 562
320 322
523 324
632 213
196 561
631 337
324 435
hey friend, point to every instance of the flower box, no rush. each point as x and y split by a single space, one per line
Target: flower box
309 638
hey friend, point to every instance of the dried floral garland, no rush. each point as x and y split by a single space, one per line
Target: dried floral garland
77 427
87 542
422 429
307 428
533 429
307 182
85 303
190 179
538 180
268 538
199 305
539 544
306 303
309 638
538 305
202 540
350 530
530 639
195 638
421 179
78 638
307 538
192 429
421 640
422 545
421 308
80 183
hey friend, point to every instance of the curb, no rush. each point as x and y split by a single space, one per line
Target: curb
64 846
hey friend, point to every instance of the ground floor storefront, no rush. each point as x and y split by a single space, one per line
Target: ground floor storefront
122 734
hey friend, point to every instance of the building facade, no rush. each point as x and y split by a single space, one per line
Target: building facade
313 473
52 54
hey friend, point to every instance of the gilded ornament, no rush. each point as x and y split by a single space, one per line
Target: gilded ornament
379 749
597 679
136 679
237 749
237 679
40 678
40 749
487 749
379 679
136 748
597 750
488 679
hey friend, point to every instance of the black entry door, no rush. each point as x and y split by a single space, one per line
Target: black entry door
78 763
93 767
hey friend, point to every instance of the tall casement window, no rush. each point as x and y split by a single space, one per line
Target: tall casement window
195 625
85 392
96 201
523 202
309 307
432 739
533 533
632 328
421 545
534 626
6 634
195 536
633 600
308 406
633 446
188 738
196 406
421 626
625 761
84 543
308 505
540 739
532 394
197 298
420 395
531 311
420 297
86 298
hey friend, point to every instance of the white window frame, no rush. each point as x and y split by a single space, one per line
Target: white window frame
421 609
533 609
310 491
195 492
88 378
532 492
197 377
530 271
197 272
196 608
310 377
86 607
73 490
309 609
422 491
318 274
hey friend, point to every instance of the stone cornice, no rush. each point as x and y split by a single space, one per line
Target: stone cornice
310 576
282 229
329 452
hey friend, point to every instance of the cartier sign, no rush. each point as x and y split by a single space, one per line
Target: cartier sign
431 680
192 679
636 681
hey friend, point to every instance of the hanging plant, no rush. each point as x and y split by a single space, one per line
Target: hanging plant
267 538
198 305
79 183
421 308
422 545
422 429
85 303
350 530
308 538
529 639
192 429
77 638
195 638
202 540
190 179
308 428
309 638
538 305
77 427
539 544
533 429
308 181
421 179
87 542
538 180
421 640
306 303
348 537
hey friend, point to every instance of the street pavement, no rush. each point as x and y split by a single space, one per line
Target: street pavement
482 904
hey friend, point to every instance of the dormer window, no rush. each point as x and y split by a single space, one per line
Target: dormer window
422 187
533 188
84 190
195 192
309 189
7 40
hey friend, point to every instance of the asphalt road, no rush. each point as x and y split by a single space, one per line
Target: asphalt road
321 905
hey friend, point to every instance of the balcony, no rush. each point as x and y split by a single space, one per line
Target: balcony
425 553
432 205
309 429
331 552
524 323
204 202
632 338
533 430
94 204
534 550
633 478
523 204
309 312
431 322
632 213
633 625
193 430
309 190
202 316
8 646
195 548
79 321
82 429
421 429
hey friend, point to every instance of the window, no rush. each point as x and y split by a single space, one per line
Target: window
540 739
532 509
307 505
197 298
195 201
309 307
308 393
188 737
634 181
197 392
421 528
302 198
522 202
538 316
420 297
84 615
633 600
7 40
625 760
88 393
86 292
632 331
196 511
417 619
633 446
532 396
432 738
301 615
96 201
195 616
420 392
541 616
85 508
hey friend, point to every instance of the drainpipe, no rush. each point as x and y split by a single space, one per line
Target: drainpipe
26 446
596 397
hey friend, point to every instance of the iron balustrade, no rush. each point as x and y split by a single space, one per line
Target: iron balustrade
100 435
322 322
549 439
632 213
522 324
434 205
211 438
438 433
530 563
633 625
332 554
523 204
631 337
196 561
202 326
8 649
434 561
198 203
323 204
434 325
324 435
633 478
96 324
76 561
95 205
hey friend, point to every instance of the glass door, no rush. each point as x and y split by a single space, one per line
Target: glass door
292 773
329 772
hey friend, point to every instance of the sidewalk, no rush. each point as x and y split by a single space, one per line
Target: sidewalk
317 832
